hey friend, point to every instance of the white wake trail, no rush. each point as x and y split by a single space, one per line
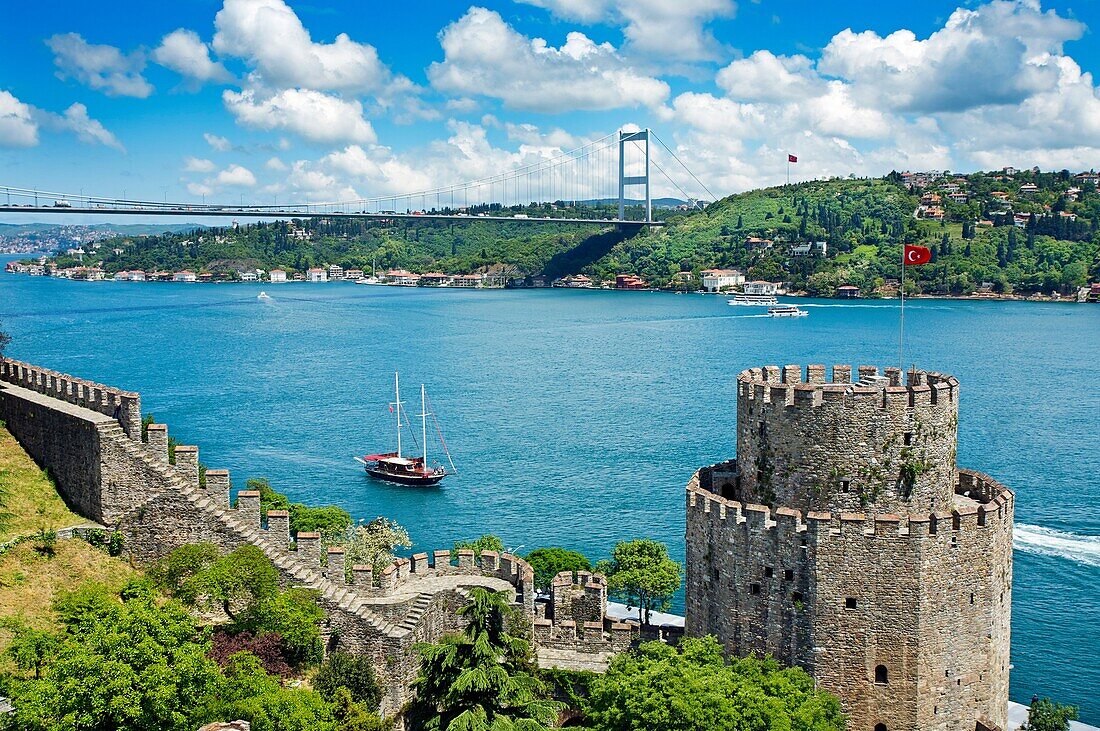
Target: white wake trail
1050 542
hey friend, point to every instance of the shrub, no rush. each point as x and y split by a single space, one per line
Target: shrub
267 647
353 672
45 542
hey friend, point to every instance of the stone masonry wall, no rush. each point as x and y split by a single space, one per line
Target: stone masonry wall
106 472
903 609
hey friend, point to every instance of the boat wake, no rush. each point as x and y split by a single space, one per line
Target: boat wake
1050 542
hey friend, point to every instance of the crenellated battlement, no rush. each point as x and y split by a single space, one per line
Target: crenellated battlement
983 502
795 386
125 406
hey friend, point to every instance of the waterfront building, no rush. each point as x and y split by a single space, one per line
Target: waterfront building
277 276
760 287
847 292
137 276
317 275
335 271
716 280
574 281
402 278
121 276
184 276
433 279
843 538
630 281
466 280
353 274
248 276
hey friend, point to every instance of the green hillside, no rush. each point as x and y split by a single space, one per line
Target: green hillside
1022 232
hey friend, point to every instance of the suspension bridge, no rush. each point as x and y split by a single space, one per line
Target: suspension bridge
573 187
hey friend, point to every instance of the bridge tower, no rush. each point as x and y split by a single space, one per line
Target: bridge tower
625 180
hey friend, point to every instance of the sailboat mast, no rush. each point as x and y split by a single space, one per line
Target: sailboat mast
397 392
424 425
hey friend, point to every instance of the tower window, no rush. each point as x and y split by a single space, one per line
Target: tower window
763 430
788 575
971 597
880 675
908 438
796 596
850 602
880 727
845 485
768 573
754 589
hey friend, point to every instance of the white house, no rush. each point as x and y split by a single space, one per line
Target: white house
277 275
715 280
316 275
248 276
336 271
184 276
137 276
760 287
810 248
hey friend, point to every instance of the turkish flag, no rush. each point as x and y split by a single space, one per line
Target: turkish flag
792 158
917 255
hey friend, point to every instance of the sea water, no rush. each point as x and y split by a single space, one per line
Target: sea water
576 417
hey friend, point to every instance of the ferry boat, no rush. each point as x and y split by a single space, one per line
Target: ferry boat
408 469
753 300
786 311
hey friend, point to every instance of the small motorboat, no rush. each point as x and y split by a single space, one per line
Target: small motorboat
263 296
786 311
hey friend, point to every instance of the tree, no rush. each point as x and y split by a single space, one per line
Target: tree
252 695
238 581
549 562
30 648
641 571
373 544
487 542
5 340
481 679
353 673
1046 715
694 688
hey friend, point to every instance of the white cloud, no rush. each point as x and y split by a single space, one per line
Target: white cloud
670 30
198 165
999 53
275 163
763 76
184 52
485 56
221 144
17 125
235 175
104 68
76 120
199 189
310 114
270 36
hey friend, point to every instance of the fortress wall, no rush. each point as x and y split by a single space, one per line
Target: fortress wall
810 444
89 439
911 578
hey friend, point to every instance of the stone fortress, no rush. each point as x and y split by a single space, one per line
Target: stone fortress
89 437
844 539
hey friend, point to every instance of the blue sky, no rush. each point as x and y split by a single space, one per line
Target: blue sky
258 99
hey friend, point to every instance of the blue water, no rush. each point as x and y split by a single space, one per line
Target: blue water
576 418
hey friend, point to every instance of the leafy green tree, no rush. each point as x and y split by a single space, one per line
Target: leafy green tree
352 716
238 582
373 544
175 572
481 679
641 572
30 648
1046 715
295 615
131 666
693 688
549 562
487 542
353 673
330 521
252 695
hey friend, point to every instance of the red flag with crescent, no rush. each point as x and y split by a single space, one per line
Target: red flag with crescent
917 255
791 158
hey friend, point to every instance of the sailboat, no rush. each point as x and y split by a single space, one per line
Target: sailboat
408 469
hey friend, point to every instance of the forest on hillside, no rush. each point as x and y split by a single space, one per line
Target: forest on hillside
1022 232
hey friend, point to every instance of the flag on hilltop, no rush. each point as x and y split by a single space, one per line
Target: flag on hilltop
792 158
916 255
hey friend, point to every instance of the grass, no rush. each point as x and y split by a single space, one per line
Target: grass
30 497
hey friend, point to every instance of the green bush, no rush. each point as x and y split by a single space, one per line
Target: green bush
353 672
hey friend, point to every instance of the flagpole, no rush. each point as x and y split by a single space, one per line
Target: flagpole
901 320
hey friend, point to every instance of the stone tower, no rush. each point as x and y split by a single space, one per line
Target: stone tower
844 539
